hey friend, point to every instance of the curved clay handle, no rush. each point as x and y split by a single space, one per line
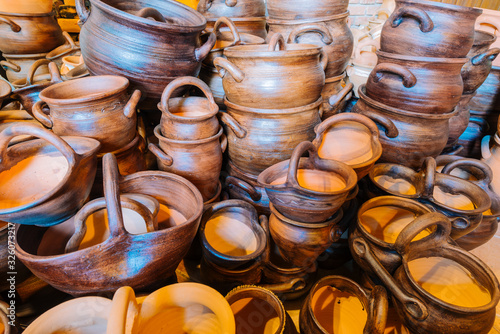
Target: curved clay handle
233 124
409 79
204 5
378 309
230 24
224 66
158 152
413 305
334 100
429 177
485 147
277 40
223 142
202 52
33 68
364 43
55 75
123 299
426 24
293 166
346 117
40 116
62 49
13 26
490 55
131 106
323 59
326 36
10 65
82 11
483 180
231 3
152 13
111 182
391 131
70 40
232 181
294 284
187 81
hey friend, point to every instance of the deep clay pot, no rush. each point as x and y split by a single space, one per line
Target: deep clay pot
232 8
303 9
255 25
17 66
336 92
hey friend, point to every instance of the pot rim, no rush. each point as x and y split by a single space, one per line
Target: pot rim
287 111
253 51
324 19
123 150
214 109
24 56
442 5
335 78
487 40
335 218
239 19
417 59
162 138
28 15
246 39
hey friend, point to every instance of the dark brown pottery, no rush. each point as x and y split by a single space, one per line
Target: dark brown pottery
488 94
249 191
303 9
232 8
429 29
256 26
460 121
336 92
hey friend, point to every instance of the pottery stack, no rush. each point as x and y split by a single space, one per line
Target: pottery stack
322 23
417 82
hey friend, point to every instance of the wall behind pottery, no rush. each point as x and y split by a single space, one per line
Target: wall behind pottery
361 11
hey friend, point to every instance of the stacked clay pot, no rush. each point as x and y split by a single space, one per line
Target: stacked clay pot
323 23
417 82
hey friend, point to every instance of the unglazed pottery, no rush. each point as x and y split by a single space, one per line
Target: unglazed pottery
486 99
460 121
68 49
491 156
232 8
17 66
26 6
358 75
489 21
301 9
5 90
337 304
336 92
249 191
470 140
248 25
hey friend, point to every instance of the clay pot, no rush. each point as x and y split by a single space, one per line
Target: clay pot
254 302
323 311
150 53
350 138
332 33
308 190
17 66
44 181
178 219
489 21
68 49
230 234
199 161
301 243
303 10
459 122
188 118
336 92
26 6
256 26
5 90
29 33
365 52
232 8
442 30
409 137
253 147
358 75
468 303
491 156
488 94
97 107
248 191
253 71
78 72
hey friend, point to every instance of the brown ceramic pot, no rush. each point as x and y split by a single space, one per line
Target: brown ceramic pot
459 122
256 26
67 49
488 94
150 53
97 107
321 311
336 92
416 84
248 190
437 262
253 71
29 33
429 29
303 9
17 66
232 8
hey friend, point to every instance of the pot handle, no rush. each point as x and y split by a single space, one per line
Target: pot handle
123 300
187 81
345 117
233 124
152 13
326 37
60 50
483 181
391 131
455 150
409 79
334 100
232 181
277 40
82 11
131 106
378 308
10 65
413 305
293 284
485 20
158 152
224 66
231 3
202 52
364 43
485 147
40 116
490 55
426 24
293 166
223 143
230 24
13 26
428 173
204 5
55 76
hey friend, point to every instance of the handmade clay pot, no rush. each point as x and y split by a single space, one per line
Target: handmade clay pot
68 49
44 181
365 52
199 161
253 71
150 53
188 118
232 8
459 122
332 33
488 94
302 10
26 6
308 190
429 29
337 304
178 219
78 72
336 92
97 107
29 33
350 138
358 75
489 21
17 66
253 146
409 137
491 156
248 191
248 25
468 303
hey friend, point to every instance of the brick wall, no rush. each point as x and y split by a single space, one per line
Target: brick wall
362 10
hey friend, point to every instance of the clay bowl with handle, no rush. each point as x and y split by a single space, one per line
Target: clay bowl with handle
145 260
458 123
98 107
17 66
308 190
303 10
439 288
252 25
350 138
429 29
232 8
417 84
249 191
319 314
336 92
46 180
275 71
188 118
29 33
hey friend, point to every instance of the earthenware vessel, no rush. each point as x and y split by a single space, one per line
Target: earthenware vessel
256 26
416 84
491 156
150 53
251 71
336 92
232 8
303 10
248 191
468 305
429 29
17 66
68 49
365 52
26 6
489 21
337 304
486 99
470 139
460 121
188 118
